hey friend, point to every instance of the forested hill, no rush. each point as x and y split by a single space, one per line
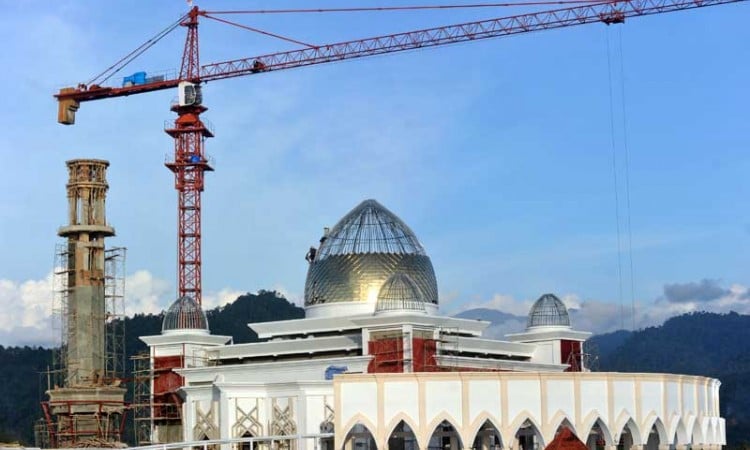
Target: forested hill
708 344
716 345
694 344
22 386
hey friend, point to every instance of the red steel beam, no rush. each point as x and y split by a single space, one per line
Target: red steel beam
606 12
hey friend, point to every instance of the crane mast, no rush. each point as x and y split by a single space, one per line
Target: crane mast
189 132
189 165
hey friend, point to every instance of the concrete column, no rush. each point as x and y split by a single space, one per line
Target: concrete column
225 421
637 447
188 421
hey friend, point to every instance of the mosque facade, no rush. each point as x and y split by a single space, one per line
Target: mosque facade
374 365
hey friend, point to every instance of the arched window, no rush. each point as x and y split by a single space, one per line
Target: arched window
528 437
402 438
445 437
359 438
487 438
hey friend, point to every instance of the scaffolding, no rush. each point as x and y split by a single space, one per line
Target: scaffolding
56 376
114 316
142 405
92 412
114 298
157 409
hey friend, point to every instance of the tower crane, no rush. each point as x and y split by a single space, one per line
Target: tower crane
189 132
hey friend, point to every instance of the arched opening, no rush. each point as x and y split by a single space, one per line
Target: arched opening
445 437
402 438
598 436
487 438
680 435
654 439
565 424
628 436
528 436
696 437
359 438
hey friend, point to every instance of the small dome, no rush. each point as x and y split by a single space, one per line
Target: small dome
548 311
399 293
184 314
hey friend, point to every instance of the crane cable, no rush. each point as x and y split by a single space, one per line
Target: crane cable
616 180
127 59
404 8
259 31
627 176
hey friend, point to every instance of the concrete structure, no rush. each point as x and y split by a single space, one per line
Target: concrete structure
376 365
88 402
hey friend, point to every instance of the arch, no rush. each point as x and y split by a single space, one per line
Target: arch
527 435
559 420
396 421
680 436
359 436
597 435
402 436
445 436
712 430
696 433
657 433
358 418
487 436
625 425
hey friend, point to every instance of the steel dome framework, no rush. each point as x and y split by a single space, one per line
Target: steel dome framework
399 293
366 247
548 311
184 314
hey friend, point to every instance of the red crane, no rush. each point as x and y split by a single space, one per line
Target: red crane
189 132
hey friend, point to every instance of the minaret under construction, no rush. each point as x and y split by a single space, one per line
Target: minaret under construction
85 233
86 403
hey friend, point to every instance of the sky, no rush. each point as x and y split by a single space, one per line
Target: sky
519 162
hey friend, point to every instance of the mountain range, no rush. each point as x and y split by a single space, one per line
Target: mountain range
709 344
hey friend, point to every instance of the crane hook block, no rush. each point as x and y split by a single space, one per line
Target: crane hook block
66 108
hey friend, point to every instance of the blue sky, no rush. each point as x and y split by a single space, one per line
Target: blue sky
499 154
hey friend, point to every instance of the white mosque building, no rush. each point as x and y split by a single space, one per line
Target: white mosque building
373 365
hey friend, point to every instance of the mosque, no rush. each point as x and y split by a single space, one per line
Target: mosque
374 365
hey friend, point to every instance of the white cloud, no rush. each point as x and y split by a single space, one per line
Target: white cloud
27 317
224 296
504 303
146 294
600 316
27 308
293 297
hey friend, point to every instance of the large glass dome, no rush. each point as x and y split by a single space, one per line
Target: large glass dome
366 247
399 293
184 314
548 311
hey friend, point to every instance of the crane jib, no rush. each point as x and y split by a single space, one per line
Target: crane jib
606 12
